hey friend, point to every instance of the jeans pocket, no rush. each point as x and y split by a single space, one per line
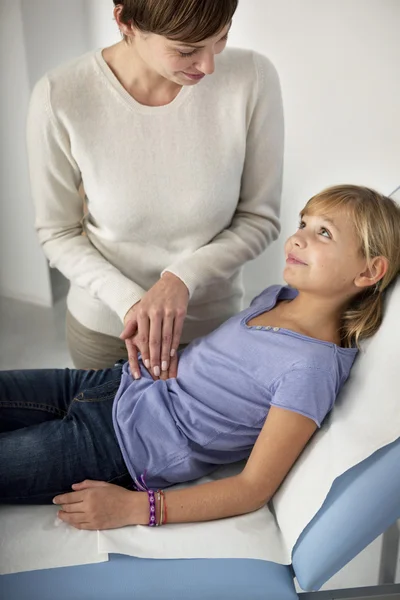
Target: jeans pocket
99 393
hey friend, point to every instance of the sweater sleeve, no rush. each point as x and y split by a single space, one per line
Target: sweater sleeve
255 223
55 179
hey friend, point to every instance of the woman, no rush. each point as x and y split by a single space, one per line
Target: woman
181 168
257 387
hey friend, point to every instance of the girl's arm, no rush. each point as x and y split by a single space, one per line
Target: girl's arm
100 505
281 441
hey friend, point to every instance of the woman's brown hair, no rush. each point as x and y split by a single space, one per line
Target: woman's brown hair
376 219
189 21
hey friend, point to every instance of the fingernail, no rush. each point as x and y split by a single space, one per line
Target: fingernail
164 365
172 353
147 363
156 371
136 375
54 501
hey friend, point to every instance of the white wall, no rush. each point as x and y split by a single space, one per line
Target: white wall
23 268
35 35
338 62
55 31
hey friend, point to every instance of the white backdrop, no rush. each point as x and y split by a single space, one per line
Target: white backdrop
339 67
338 62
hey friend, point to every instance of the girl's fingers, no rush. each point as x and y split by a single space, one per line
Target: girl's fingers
74 519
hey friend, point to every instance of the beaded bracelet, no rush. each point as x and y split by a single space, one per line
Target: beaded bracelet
165 511
152 509
159 508
162 508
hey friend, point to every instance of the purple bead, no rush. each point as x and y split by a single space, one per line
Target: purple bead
152 508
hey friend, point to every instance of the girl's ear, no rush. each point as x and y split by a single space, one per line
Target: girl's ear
375 271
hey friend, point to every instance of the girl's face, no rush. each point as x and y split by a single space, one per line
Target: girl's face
324 256
181 63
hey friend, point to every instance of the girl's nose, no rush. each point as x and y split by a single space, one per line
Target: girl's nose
299 240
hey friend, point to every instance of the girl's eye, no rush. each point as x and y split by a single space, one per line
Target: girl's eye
302 225
325 232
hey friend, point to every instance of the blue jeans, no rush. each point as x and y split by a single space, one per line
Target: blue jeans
56 429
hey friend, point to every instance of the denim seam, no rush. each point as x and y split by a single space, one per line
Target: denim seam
111 388
81 398
32 406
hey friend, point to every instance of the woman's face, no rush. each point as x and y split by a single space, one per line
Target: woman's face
184 64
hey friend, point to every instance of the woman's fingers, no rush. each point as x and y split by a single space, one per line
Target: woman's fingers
173 367
155 333
166 341
129 330
142 337
176 337
133 358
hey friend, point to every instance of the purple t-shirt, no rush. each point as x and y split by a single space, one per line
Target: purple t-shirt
182 429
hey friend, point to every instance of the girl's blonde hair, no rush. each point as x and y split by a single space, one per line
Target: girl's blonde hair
189 21
376 219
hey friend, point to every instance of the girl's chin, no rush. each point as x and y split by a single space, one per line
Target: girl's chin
290 277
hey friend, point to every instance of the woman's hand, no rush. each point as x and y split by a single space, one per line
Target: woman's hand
98 505
154 326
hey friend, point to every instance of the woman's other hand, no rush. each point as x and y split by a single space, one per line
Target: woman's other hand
154 326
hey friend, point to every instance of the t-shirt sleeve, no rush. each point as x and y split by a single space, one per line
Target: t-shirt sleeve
309 391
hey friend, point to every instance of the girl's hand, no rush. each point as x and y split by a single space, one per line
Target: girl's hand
154 326
98 505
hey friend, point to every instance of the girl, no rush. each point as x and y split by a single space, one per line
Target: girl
257 387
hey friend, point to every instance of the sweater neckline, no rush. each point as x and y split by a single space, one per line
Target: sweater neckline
133 104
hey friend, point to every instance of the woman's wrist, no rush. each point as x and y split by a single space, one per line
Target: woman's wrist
174 279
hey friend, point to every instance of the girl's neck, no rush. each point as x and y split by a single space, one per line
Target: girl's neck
317 316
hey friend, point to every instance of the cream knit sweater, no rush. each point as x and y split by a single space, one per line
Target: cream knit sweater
192 187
